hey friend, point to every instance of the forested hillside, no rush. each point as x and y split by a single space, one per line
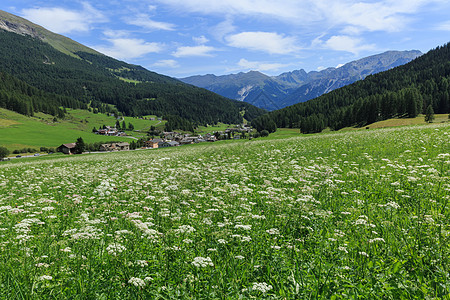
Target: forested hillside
404 91
21 97
99 81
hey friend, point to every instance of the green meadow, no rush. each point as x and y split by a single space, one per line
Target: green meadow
362 214
18 131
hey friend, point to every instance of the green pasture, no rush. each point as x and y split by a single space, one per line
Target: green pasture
18 131
361 214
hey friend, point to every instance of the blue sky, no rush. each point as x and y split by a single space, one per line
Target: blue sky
189 37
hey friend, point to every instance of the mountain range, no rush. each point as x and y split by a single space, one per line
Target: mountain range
275 92
421 86
47 71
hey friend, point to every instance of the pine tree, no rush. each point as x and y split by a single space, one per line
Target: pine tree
429 114
4 152
80 146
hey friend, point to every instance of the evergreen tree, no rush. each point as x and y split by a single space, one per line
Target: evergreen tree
264 133
80 146
429 114
4 152
411 104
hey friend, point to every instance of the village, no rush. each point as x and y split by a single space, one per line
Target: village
164 140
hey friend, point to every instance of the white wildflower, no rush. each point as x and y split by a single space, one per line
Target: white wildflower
185 229
202 262
141 263
114 249
138 282
343 249
246 239
262 287
376 240
273 231
244 227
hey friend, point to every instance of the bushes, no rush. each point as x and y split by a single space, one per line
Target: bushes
24 150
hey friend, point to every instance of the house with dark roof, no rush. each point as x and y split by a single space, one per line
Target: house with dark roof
67 148
169 144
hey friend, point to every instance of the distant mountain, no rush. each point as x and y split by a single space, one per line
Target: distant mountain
253 87
78 77
334 78
275 92
403 92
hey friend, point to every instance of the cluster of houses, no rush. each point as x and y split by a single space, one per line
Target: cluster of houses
119 146
167 139
170 139
110 131
175 139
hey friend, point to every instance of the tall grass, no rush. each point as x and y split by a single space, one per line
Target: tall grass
335 216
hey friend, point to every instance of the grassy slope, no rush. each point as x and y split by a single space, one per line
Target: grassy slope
439 118
59 42
18 131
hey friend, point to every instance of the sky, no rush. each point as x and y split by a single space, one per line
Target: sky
181 38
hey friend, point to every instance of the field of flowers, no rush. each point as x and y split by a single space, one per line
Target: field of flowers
352 215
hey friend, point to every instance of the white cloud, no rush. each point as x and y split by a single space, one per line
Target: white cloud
200 50
128 48
269 42
244 64
222 29
289 9
444 26
339 65
61 20
347 43
143 20
351 15
200 40
166 63
115 34
360 16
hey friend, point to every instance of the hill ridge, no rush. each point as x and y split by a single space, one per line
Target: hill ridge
40 58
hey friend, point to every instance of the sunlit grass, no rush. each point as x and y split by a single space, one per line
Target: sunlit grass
360 214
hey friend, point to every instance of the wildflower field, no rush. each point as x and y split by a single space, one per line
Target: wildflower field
356 215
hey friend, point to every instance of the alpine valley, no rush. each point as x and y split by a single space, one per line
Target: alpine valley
275 92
